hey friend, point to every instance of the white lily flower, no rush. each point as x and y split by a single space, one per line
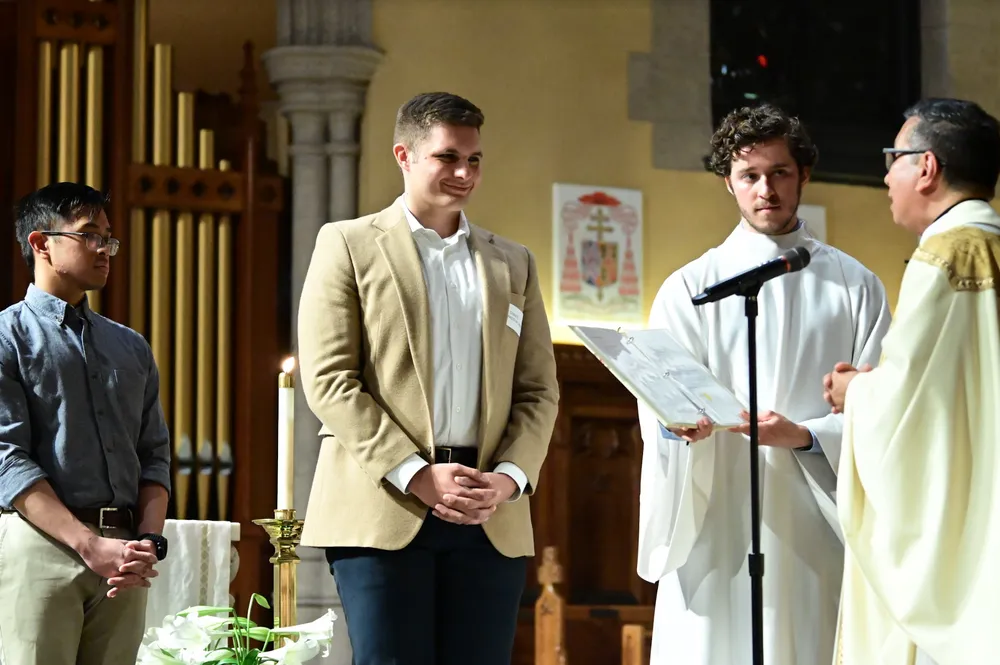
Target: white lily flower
295 653
319 630
203 634
151 655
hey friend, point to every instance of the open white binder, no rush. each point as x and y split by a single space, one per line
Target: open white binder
679 390
663 375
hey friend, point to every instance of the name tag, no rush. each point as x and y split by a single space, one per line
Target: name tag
514 318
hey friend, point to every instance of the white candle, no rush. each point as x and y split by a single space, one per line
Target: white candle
286 436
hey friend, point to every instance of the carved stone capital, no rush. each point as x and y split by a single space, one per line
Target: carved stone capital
321 78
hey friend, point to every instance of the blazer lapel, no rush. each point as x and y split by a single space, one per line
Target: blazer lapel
494 278
401 255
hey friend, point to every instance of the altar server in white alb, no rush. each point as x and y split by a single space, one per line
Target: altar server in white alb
919 480
694 509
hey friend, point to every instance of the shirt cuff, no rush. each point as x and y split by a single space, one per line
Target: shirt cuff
667 434
518 476
17 475
401 476
814 447
157 473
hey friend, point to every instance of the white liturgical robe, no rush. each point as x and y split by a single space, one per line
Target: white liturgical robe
694 506
920 474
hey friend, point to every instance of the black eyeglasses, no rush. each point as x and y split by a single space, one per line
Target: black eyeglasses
95 241
892 154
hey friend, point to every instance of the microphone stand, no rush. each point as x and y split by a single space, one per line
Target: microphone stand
749 290
756 558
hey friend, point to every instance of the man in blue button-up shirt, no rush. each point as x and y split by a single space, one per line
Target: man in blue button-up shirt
84 449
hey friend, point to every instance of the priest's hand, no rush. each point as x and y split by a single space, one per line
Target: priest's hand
702 431
835 384
773 429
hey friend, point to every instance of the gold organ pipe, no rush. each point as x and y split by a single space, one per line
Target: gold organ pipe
184 443
94 140
140 80
224 358
69 113
161 272
138 279
43 174
137 272
206 338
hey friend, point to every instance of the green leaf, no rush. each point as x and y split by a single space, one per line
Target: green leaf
229 661
243 624
251 657
262 601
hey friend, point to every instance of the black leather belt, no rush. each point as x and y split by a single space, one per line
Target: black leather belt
464 455
105 518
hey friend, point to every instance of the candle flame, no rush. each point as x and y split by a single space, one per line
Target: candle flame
288 366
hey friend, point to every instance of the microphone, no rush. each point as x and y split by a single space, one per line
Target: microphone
791 261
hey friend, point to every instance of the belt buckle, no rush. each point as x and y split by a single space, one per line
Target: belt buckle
448 450
100 518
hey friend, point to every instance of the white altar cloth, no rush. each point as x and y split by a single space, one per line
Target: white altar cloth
200 565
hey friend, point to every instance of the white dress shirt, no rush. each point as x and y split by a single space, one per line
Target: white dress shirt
456 309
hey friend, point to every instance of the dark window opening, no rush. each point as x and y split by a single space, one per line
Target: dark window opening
847 68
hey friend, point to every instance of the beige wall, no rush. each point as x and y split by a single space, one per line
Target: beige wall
208 37
551 80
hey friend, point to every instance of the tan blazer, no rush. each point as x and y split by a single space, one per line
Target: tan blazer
366 369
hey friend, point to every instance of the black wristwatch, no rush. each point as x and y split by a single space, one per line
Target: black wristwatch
159 541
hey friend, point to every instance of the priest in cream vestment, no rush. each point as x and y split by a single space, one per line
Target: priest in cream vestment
694 532
919 483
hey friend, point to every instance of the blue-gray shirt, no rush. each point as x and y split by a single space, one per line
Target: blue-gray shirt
79 405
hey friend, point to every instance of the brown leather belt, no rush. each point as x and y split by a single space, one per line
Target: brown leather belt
105 518
464 455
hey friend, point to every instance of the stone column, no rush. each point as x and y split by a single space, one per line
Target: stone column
321 69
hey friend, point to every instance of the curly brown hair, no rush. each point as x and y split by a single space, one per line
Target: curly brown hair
752 125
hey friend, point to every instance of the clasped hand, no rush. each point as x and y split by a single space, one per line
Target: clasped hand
461 494
835 384
123 563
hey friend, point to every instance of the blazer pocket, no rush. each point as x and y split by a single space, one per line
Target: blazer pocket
517 300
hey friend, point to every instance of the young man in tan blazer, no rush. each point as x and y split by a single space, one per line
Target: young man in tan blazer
425 353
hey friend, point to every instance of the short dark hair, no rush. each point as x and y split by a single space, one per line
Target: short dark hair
964 138
419 115
60 202
751 125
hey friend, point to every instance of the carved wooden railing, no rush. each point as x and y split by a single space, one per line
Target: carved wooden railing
636 639
198 219
550 646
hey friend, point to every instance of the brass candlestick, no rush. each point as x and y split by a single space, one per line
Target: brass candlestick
285 532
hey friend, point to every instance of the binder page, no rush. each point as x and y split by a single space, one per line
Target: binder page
662 375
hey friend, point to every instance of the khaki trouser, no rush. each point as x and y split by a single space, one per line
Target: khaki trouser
54 610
